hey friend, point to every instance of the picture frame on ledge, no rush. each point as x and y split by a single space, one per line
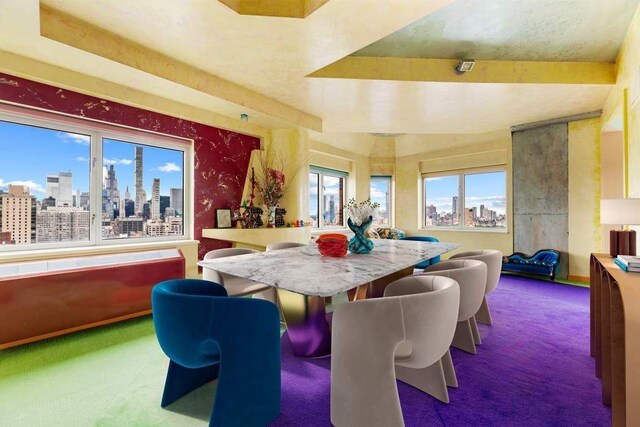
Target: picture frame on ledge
223 218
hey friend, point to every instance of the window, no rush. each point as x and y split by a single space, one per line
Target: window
326 197
380 192
465 200
65 182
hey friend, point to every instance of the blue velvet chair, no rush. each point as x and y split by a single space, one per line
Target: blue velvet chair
208 335
427 263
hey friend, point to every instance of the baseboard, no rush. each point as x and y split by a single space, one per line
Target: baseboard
581 279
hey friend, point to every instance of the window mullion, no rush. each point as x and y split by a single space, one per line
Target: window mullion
461 201
96 187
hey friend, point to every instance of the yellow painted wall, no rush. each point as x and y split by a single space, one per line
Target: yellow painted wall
627 68
585 234
330 156
449 152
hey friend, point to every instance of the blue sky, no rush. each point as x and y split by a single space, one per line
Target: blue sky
378 192
483 188
28 154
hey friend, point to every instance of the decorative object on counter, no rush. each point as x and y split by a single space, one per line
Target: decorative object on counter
223 218
360 215
237 217
271 181
252 217
332 245
385 233
280 213
622 212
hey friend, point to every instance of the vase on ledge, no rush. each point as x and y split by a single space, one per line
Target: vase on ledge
360 243
271 216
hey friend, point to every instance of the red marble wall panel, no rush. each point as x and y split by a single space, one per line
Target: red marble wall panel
221 157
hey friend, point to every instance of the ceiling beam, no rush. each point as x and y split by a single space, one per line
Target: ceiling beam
442 70
79 34
276 8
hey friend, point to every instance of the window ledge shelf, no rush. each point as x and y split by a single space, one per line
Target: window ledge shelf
26 255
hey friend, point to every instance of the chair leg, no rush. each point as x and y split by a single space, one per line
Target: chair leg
476 332
180 381
431 380
484 315
449 370
463 338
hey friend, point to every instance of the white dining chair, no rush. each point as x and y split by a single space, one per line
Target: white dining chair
404 335
471 276
237 286
493 259
283 245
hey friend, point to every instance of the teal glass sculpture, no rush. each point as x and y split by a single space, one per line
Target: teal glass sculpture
360 243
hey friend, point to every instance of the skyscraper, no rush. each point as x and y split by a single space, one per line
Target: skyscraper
53 186
155 199
65 189
140 193
176 200
17 214
60 188
113 194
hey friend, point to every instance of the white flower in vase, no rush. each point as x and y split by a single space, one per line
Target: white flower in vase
359 213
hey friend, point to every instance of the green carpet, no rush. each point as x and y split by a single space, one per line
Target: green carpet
107 376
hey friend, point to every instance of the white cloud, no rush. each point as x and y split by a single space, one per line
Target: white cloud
82 159
115 161
74 137
33 187
169 167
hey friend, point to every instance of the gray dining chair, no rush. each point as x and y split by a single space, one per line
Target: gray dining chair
237 286
471 276
283 245
493 259
405 335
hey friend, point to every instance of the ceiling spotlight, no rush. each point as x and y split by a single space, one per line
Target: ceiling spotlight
244 117
464 65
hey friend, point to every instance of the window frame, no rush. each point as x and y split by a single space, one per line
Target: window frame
98 131
389 179
322 172
461 174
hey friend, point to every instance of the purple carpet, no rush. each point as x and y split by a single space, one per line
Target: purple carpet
532 369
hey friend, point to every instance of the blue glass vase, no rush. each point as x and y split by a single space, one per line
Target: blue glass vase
360 243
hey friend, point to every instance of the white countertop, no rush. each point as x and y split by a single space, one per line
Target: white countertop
305 271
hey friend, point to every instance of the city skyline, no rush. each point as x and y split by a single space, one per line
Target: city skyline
480 189
59 151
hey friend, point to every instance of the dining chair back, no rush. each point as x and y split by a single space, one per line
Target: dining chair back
236 286
404 335
493 259
471 275
283 245
247 369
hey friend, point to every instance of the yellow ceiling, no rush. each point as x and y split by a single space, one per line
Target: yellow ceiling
204 54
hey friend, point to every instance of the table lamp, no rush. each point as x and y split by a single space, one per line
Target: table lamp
621 212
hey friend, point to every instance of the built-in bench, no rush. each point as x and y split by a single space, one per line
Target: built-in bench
45 298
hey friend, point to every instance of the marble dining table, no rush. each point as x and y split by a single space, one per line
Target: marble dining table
304 279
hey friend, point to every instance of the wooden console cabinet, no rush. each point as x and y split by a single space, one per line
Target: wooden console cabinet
615 337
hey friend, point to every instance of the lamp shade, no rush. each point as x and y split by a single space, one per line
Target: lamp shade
620 211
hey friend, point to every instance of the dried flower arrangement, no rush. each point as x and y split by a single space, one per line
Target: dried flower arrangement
360 212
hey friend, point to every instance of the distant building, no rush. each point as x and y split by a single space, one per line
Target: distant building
48 202
454 206
164 204
141 196
155 199
130 208
85 197
176 197
132 226
18 214
169 212
63 224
